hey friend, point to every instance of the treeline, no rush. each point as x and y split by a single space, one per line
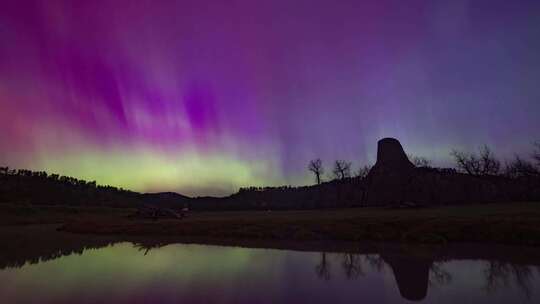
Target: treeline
346 192
485 163
474 172
41 188
343 188
481 163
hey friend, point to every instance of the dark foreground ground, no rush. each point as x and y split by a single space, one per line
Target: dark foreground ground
510 223
16 214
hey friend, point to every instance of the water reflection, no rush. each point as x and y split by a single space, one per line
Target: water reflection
500 275
412 275
67 268
323 268
415 275
352 265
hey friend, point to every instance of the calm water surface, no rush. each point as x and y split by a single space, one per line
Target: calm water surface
179 273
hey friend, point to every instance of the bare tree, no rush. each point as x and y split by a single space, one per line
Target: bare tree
323 268
468 163
438 276
489 163
342 169
420 161
536 153
352 265
363 171
498 274
520 168
375 261
316 167
483 164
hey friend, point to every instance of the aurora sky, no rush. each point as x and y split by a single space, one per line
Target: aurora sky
203 97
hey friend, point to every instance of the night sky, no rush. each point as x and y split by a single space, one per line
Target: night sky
202 97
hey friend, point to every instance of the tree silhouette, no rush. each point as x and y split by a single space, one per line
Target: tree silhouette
316 167
363 171
420 161
490 165
438 276
483 164
342 169
375 261
352 265
323 268
40 188
468 163
499 274
536 153
520 167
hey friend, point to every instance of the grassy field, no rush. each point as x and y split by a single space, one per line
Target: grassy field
513 223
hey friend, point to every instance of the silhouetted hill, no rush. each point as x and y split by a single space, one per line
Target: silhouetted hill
394 180
40 188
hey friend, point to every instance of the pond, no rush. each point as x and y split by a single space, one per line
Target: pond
130 272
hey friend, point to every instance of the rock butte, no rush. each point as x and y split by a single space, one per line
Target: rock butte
395 180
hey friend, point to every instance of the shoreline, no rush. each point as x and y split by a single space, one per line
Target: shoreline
513 224
26 248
